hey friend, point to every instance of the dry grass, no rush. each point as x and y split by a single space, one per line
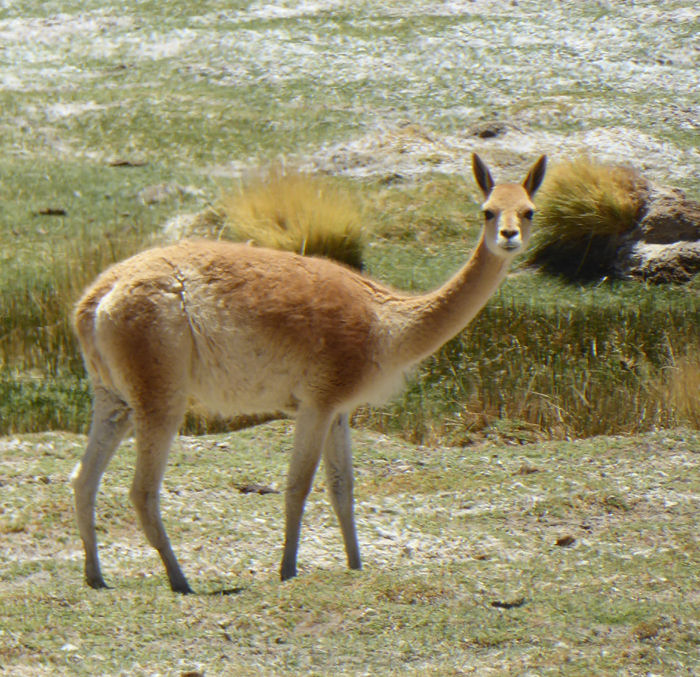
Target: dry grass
36 309
583 208
526 369
681 385
296 212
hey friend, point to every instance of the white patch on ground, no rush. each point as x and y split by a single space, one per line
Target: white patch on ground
285 10
377 8
59 28
414 150
63 110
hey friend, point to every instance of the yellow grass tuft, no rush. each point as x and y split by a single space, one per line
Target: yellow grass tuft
295 212
583 207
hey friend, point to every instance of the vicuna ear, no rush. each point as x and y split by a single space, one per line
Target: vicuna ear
534 179
482 175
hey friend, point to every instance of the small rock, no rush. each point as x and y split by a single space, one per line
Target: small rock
527 469
678 262
256 489
509 605
669 217
385 534
488 130
127 163
565 541
51 211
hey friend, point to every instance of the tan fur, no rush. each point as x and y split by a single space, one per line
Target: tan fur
249 330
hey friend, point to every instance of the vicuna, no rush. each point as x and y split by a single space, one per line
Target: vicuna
247 330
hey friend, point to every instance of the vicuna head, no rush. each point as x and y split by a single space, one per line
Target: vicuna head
508 208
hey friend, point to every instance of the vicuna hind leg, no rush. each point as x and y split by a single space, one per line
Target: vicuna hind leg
110 422
337 459
309 437
154 436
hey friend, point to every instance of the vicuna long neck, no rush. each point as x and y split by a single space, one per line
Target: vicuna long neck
429 321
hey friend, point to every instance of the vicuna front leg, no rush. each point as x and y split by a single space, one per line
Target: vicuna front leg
110 422
154 436
337 459
309 437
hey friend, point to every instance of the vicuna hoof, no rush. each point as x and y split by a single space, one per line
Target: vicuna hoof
288 572
182 588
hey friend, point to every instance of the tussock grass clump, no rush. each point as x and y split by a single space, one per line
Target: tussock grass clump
295 212
583 208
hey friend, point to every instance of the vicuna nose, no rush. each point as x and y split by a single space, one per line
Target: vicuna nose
509 233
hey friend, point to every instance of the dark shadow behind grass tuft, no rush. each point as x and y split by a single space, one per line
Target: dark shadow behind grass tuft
583 209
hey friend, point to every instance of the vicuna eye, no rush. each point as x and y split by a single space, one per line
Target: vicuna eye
529 214
488 214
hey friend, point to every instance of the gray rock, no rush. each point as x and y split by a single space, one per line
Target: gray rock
676 262
669 217
665 244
